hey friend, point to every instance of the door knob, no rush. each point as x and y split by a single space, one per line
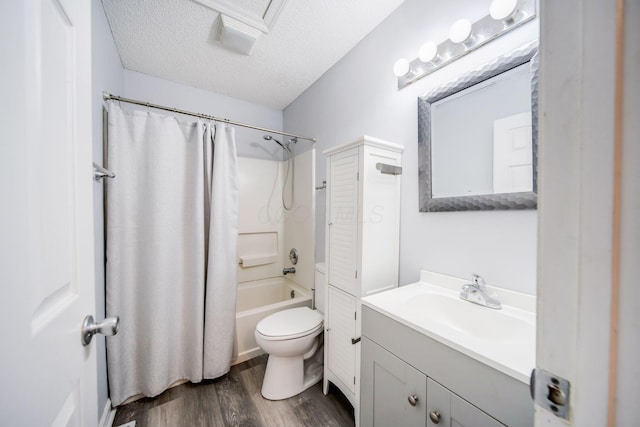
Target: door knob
109 326
413 400
435 417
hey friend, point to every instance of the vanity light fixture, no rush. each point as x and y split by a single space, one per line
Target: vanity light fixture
460 31
401 67
503 10
465 37
428 52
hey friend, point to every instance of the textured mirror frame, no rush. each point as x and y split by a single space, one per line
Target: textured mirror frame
500 201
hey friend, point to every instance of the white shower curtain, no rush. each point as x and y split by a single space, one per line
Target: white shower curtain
157 225
220 313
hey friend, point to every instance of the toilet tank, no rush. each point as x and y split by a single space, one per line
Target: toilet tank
320 286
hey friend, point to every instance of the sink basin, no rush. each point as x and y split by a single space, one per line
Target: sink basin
463 317
503 339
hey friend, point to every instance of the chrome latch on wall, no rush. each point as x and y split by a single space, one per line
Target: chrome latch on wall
550 392
99 172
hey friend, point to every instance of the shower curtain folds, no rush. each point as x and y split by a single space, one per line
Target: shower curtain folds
222 262
158 220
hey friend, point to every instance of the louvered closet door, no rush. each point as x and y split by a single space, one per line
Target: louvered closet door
343 221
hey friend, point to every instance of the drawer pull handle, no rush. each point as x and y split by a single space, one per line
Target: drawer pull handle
355 341
434 416
413 400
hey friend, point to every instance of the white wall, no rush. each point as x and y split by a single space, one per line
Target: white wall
299 221
260 217
107 74
359 96
144 87
265 227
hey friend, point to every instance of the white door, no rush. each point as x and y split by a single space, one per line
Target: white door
576 225
512 154
47 270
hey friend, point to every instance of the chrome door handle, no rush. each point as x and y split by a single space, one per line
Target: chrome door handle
109 326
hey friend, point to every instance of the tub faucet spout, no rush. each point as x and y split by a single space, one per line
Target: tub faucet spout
286 271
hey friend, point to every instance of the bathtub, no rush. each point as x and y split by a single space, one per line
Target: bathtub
256 300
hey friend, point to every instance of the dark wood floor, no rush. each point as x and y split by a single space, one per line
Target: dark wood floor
235 400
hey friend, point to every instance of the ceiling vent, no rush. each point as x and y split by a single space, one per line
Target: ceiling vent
236 35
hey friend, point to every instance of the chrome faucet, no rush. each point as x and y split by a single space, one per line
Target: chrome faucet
286 271
476 292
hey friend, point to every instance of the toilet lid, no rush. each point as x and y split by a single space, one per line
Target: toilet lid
291 323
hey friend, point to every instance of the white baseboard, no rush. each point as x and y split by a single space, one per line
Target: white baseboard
108 415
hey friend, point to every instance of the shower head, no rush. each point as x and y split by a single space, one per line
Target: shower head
270 138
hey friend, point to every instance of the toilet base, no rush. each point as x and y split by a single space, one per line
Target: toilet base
286 377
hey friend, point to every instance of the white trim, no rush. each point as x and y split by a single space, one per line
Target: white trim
273 12
365 140
108 415
263 23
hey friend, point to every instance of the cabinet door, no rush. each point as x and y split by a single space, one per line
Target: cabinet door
393 393
439 405
343 221
464 414
451 410
341 354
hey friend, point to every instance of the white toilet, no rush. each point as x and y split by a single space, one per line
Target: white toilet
293 340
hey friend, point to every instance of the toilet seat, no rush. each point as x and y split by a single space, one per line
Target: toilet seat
290 324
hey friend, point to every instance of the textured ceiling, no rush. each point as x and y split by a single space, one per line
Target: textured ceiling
175 40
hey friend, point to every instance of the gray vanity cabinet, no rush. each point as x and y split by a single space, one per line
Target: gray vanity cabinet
409 379
395 393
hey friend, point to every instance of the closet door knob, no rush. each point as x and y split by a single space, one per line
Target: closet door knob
413 400
434 416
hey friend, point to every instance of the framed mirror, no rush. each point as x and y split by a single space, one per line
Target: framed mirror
477 138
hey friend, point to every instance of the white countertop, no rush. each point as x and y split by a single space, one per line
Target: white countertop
503 339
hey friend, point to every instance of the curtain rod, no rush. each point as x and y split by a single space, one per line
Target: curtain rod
107 96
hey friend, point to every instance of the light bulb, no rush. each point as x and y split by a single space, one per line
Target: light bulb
460 31
401 67
428 52
502 9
